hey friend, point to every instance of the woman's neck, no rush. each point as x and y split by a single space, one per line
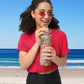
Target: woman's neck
50 30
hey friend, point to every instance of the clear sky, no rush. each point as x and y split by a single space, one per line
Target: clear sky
70 14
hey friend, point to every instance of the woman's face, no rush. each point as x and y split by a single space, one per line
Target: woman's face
42 15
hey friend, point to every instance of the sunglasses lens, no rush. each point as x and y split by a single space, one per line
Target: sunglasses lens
41 14
51 15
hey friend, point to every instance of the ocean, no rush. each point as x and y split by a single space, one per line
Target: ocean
9 59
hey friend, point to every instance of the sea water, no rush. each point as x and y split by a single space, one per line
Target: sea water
9 59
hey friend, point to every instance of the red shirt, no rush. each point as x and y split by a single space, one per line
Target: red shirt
59 43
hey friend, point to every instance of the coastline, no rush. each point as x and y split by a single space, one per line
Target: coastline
60 68
18 76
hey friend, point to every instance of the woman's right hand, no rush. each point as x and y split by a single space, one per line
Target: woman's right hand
39 32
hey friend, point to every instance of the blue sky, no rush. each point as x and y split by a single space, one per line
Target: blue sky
70 14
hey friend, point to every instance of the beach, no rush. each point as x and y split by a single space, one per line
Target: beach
18 76
11 73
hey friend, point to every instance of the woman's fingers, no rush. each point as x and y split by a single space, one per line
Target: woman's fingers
46 30
39 32
49 50
49 53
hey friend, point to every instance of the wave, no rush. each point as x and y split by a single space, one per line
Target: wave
68 61
9 62
10 67
75 61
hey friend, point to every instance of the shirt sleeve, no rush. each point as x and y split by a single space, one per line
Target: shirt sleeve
22 45
64 47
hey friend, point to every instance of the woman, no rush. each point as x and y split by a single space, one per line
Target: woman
35 21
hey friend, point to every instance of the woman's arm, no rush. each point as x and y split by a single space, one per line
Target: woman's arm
26 59
60 61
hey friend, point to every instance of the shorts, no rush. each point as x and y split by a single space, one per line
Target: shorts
52 78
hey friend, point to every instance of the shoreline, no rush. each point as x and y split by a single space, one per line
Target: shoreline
18 76
60 68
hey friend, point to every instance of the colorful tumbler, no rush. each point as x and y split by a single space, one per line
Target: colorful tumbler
45 42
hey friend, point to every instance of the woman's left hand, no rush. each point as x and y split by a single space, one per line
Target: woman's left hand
49 53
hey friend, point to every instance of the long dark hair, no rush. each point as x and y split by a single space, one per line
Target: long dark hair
28 24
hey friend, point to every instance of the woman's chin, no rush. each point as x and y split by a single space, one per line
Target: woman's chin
45 24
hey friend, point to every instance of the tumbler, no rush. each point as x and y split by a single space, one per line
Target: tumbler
46 40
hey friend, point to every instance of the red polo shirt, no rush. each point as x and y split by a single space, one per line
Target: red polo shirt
59 43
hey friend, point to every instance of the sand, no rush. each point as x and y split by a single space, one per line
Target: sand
18 76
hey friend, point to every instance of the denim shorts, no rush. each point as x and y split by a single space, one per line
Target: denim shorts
52 78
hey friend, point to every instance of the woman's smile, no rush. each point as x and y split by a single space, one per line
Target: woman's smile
45 22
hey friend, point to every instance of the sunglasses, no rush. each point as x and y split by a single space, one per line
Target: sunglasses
43 14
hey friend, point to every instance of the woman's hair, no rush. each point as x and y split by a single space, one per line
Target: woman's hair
28 24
